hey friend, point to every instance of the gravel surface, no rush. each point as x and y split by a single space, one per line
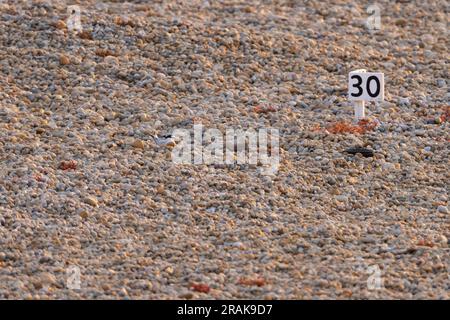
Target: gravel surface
85 186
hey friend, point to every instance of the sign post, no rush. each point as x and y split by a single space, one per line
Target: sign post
360 109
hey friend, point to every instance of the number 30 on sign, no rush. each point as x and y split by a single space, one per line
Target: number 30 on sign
365 86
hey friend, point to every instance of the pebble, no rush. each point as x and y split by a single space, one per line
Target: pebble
91 201
60 24
47 278
64 60
443 209
441 83
160 189
84 214
428 38
443 240
111 60
187 295
404 102
139 144
342 198
368 239
359 150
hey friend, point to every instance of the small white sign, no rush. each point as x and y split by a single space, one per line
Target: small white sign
365 86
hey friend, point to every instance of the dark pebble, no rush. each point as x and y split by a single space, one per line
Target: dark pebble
364 151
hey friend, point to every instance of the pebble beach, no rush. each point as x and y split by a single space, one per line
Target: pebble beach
86 190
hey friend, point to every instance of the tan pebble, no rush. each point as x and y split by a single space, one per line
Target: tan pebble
400 22
91 201
60 24
104 52
64 60
171 144
84 214
111 116
187 295
144 117
85 35
169 270
37 285
352 180
139 144
106 287
442 240
160 189
47 278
